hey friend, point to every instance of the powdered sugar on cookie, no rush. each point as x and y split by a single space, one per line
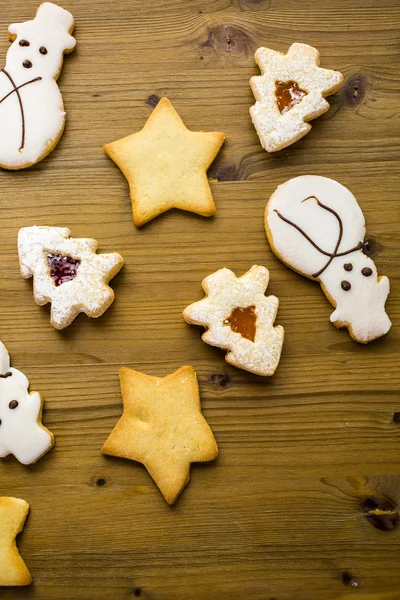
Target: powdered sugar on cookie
316 227
67 272
21 431
32 116
290 91
239 318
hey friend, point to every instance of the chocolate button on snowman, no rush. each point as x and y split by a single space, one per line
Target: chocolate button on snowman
32 116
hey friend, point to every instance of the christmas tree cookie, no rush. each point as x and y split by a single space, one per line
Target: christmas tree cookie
67 272
13 570
21 431
289 92
32 116
240 318
162 427
316 227
166 165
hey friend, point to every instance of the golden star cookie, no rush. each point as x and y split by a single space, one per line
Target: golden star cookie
162 427
67 272
166 165
240 318
289 92
21 430
13 570
316 227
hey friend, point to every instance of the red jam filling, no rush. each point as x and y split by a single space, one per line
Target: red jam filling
62 268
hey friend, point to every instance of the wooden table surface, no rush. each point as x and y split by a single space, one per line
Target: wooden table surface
303 456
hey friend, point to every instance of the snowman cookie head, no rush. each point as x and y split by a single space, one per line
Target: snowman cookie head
21 431
39 45
316 227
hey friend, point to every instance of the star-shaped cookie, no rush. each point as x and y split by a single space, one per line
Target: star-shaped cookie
290 91
162 427
240 318
13 570
67 272
166 165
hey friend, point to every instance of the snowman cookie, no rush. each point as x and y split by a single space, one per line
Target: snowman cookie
67 272
32 116
316 227
240 318
21 431
289 92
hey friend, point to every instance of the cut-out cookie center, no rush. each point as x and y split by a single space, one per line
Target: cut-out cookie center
288 94
62 268
243 321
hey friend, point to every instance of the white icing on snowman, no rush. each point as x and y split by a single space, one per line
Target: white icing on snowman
32 116
21 431
316 227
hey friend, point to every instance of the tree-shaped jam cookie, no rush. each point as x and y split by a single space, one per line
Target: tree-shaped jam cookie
240 318
289 92
67 272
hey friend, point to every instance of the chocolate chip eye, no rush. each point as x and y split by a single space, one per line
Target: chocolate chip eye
348 267
366 271
13 404
24 43
43 50
27 64
346 285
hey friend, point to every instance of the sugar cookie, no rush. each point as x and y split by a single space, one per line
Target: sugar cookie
315 226
32 116
240 318
289 92
166 165
21 431
13 570
67 272
162 427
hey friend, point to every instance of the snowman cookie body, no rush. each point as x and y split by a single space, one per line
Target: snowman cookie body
21 431
32 115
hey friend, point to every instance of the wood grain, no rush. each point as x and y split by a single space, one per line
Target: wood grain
285 511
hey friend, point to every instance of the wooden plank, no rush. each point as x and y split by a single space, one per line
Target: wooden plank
281 513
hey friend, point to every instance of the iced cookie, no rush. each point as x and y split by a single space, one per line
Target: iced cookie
315 226
67 272
13 570
289 92
21 431
240 318
162 427
32 116
166 165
